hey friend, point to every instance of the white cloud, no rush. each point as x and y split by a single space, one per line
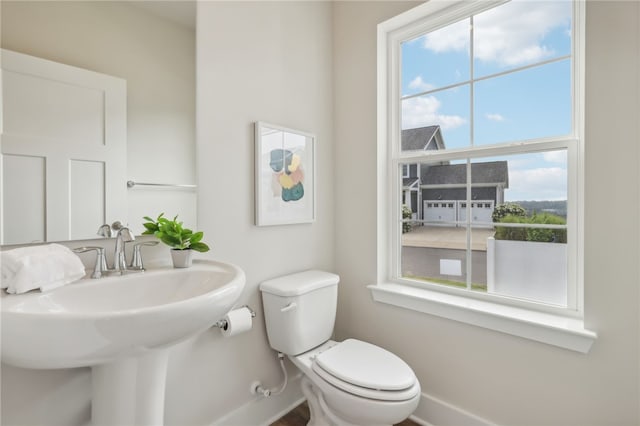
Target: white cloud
558 157
420 85
509 35
423 111
549 183
454 37
494 117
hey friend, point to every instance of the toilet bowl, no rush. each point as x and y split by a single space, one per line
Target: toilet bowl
346 383
388 394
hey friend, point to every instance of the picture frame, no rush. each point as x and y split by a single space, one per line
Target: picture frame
285 175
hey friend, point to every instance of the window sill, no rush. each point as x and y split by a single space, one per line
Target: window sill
564 332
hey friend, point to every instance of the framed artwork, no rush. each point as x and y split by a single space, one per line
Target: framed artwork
285 185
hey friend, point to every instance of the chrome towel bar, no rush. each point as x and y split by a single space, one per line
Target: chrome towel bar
131 184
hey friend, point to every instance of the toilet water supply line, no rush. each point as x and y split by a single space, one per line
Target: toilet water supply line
258 389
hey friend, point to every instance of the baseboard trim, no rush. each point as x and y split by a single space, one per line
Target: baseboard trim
262 411
257 410
435 412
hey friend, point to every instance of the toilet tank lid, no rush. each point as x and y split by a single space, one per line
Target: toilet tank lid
299 283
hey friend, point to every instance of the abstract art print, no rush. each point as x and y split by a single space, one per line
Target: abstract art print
285 175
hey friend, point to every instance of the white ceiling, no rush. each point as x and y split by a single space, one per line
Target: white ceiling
182 12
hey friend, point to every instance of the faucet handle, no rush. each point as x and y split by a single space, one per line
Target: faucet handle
136 260
101 260
104 231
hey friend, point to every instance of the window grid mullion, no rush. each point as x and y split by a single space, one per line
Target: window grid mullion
487 77
468 253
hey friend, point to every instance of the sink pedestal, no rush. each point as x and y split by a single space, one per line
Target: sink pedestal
130 391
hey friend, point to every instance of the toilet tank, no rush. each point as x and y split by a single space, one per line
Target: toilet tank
300 310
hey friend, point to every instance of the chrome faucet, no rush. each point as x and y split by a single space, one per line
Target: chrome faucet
100 267
136 259
124 235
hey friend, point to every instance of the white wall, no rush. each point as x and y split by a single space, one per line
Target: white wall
156 57
267 61
505 379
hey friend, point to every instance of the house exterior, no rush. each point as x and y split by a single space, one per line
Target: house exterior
436 193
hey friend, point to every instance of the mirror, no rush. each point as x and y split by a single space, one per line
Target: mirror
149 45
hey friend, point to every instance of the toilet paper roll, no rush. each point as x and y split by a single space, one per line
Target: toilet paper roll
238 321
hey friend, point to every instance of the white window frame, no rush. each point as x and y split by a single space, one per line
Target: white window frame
563 327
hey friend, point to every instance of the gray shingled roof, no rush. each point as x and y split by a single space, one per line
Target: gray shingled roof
488 172
417 139
408 182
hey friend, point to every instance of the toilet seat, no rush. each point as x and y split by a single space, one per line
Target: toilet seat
366 370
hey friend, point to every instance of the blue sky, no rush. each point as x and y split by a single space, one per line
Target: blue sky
527 104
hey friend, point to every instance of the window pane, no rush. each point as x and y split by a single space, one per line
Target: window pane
479 237
527 262
538 177
520 33
528 104
436 121
435 253
437 59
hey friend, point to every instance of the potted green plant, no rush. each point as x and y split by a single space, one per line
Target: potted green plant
183 241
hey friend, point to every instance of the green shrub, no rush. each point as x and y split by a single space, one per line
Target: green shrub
533 234
406 214
513 234
508 209
546 234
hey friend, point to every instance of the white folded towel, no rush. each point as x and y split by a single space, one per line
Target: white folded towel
45 267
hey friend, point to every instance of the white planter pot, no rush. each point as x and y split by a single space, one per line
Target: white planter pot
528 270
181 258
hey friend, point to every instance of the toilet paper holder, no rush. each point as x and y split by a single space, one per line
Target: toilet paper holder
222 324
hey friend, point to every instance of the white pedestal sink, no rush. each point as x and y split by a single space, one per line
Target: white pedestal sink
121 327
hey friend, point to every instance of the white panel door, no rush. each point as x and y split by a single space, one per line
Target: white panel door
75 120
27 223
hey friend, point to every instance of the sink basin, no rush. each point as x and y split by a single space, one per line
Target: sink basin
95 321
121 327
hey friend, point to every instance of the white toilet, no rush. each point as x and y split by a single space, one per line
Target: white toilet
345 383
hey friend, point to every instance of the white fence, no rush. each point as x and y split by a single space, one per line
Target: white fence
528 270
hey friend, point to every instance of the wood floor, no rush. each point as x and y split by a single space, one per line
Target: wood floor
299 416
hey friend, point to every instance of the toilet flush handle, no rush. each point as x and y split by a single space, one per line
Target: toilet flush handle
289 307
